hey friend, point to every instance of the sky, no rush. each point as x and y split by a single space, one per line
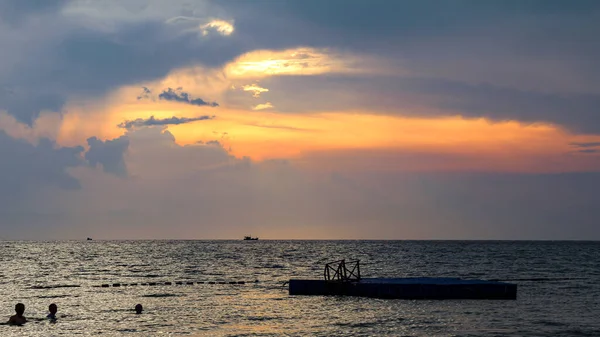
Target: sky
284 119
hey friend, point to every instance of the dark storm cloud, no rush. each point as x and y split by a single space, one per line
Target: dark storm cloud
26 105
142 52
109 154
24 166
393 95
178 95
530 61
13 11
85 60
355 24
579 112
129 124
500 43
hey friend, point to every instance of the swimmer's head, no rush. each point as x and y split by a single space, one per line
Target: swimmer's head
53 308
20 308
138 308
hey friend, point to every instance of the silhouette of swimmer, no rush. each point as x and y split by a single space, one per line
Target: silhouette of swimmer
138 308
53 309
18 319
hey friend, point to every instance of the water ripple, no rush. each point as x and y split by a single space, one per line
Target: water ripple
559 288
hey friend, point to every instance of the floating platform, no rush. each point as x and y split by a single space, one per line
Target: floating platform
408 288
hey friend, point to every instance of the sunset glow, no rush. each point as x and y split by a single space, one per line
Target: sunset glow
298 114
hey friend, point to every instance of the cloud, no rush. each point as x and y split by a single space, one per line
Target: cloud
193 188
146 94
140 122
420 97
212 142
588 144
179 96
46 126
24 164
204 26
483 42
33 172
300 61
220 26
13 12
27 104
263 106
276 126
108 154
255 89
388 74
131 44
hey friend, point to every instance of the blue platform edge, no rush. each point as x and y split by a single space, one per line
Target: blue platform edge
408 288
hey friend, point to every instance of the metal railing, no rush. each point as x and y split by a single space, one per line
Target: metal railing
338 271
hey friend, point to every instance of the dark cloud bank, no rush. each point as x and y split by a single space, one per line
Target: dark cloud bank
530 39
179 96
577 112
532 61
140 122
24 165
86 61
108 154
175 95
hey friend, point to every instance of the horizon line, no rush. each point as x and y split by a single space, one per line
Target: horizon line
304 239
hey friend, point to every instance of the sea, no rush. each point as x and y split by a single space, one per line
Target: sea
558 288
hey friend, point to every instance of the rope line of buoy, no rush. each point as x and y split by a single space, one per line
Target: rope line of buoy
165 283
178 283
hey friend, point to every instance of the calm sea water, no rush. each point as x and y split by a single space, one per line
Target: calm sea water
558 294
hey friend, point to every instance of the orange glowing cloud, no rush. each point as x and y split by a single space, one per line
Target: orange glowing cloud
359 139
302 61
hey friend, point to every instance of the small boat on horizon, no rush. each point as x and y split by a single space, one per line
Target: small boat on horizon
89 239
250 238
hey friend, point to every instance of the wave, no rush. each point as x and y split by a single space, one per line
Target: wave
57 296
